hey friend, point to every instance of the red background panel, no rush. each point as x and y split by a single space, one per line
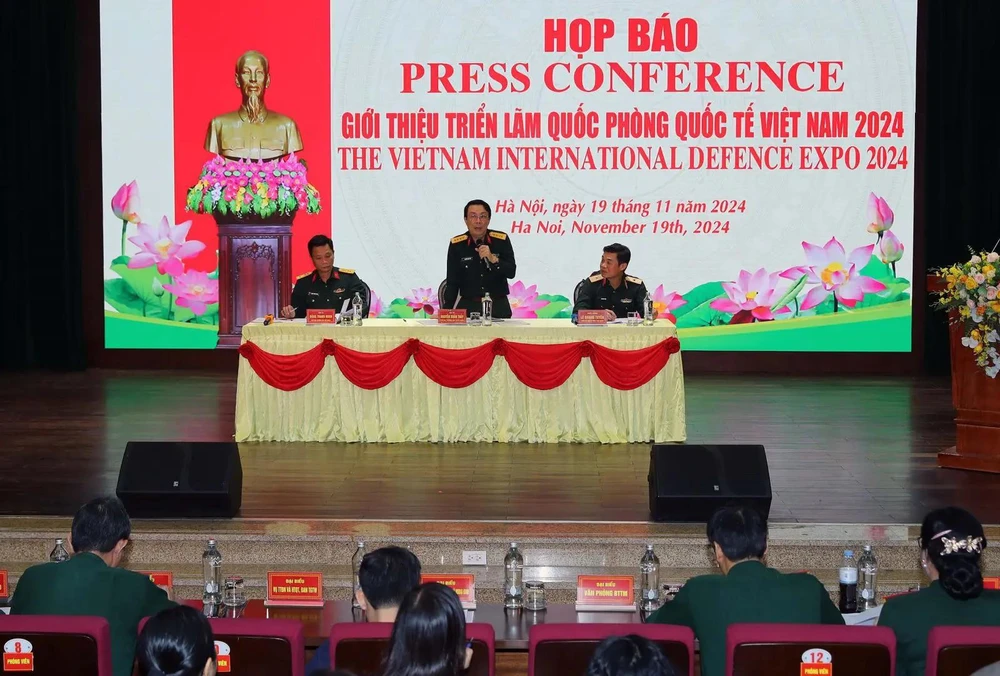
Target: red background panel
208 38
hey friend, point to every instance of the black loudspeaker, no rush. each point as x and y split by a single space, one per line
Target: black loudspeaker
164 479
689 482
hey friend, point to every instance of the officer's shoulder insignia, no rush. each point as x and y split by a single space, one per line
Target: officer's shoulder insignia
301 276
632 280
596 277
459 238
346 271
498 235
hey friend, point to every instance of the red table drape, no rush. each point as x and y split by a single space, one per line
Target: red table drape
540 367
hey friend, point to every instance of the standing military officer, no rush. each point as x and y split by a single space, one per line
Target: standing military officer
480 261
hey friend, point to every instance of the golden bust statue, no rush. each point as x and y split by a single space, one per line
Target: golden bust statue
253 132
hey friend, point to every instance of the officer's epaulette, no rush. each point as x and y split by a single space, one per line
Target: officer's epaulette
498 235
633 280
346 271
301 276
596 277
459 238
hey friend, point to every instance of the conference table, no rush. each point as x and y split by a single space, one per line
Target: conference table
415 380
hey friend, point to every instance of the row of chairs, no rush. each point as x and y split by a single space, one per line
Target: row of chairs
80 646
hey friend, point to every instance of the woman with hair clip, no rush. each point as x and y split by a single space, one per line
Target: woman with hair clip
176 642
428 637
951 547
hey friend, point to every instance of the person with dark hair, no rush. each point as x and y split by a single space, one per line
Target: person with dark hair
951 548
386 575
91 583
428 637
327 287
480 261
177 641
629 656
610 289
747 590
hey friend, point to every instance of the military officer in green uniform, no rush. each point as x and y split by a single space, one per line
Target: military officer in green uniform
951 544
611 289
747 590
327 287
91 583
480 261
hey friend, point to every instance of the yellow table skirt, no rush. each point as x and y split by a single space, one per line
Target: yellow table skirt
498 407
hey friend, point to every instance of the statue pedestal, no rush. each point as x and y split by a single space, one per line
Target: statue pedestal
254 271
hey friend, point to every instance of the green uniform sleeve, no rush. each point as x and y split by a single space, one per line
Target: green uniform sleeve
299 297
507 265
155 600
677 611
586 300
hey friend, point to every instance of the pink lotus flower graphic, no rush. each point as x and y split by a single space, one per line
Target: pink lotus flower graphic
837 273
375 308
880 216
749 298
665 303
423 300
125 203
891 250
524 301
194 290
164 247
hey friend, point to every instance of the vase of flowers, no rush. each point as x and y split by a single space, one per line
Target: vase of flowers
970 295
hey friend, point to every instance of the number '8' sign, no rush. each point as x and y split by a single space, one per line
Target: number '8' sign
17 645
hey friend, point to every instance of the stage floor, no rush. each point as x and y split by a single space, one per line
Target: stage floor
841 450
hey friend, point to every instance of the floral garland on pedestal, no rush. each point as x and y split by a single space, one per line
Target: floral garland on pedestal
971 297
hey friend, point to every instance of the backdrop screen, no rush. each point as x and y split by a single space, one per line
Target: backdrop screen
757 159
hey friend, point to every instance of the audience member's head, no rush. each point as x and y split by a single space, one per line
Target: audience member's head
386 576
101 527
629 656
951 544
428 637
176 642
737 534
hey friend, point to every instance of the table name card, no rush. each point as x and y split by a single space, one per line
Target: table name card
463 585
294 589
223 658
18 656
451 317
321 316
605 593
4 588
991 583
591 317
816 662
160 578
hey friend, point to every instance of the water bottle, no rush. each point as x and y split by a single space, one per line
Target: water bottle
59 553
357 306
867 574
211 562
359 554
647 310
513 578
487 310
848 583
649 572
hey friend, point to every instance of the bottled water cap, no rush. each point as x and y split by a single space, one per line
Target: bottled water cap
649 548
848 552
211 542
513 545
868 548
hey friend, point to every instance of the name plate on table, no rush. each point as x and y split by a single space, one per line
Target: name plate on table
816 662
321 316
599 593
591 318
451 317
294 589
160 578
463 585
4 589
18 655
991 583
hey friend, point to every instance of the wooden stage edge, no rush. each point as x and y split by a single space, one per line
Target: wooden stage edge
844 450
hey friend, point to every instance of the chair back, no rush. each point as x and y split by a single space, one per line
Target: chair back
56 644
952 651
566 649
258 647
579 287
361 647
767 649
367 295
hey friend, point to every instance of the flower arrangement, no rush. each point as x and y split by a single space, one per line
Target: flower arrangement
247 187
971 294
